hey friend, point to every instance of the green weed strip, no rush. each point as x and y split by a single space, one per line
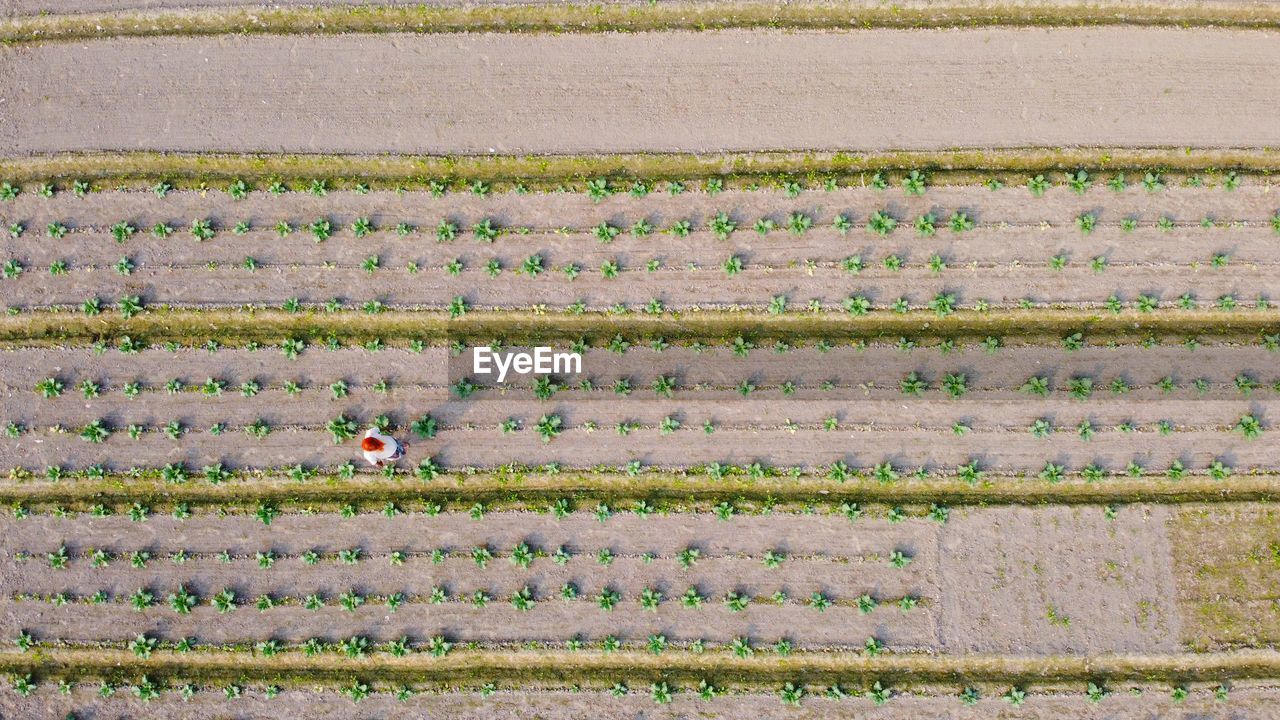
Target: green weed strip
606 492
588 18
137 327
600 175
878 677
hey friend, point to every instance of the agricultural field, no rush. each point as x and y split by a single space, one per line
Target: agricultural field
927 369
1115 241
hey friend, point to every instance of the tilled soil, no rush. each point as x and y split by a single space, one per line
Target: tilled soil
907 449
1077 581
876 421
1006 259
700 92
675 289
862 567
875 370
1059 580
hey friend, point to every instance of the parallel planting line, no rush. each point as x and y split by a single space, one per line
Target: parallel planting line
588 18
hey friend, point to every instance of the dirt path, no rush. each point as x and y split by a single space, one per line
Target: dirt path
666 92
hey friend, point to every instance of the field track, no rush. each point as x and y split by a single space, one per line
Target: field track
662 92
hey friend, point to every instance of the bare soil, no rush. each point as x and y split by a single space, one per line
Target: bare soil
1130 87
1058 580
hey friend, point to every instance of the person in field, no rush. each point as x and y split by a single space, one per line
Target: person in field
380 449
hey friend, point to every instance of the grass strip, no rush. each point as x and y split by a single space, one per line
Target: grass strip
557 668
550 172
668 490
626 17
521 327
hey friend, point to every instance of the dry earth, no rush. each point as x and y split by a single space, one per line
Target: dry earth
1126 87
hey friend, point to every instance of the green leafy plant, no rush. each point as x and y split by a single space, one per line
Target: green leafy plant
881 223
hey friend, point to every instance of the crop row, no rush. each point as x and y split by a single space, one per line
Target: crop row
1212 450
913 184
792 694
551 425
721 226
990 363
890 469
872 671
617 291
866 500
182 601
936 265
955 385
941 304
359 647
267 511
1070 369
662 693
521 556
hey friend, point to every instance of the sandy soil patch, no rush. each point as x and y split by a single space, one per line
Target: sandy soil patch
1058 580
